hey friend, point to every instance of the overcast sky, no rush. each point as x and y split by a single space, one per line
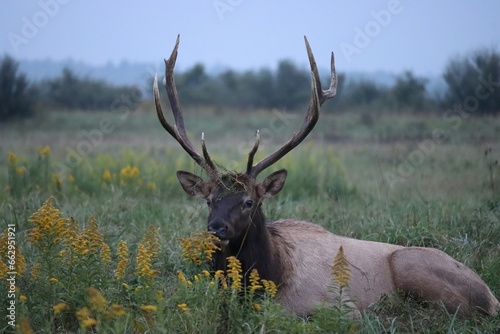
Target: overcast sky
242 34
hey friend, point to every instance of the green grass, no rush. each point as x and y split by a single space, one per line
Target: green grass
381 177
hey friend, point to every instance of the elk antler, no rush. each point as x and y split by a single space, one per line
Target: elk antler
178 131
318 97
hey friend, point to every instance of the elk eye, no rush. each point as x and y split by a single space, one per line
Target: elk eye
249 203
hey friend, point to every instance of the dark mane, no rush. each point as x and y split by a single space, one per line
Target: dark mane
257 251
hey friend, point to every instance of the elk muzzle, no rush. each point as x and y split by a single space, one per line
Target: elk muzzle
219 228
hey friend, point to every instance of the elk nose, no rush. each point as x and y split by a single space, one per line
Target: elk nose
218 228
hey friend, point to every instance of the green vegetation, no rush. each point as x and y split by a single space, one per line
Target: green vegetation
112 260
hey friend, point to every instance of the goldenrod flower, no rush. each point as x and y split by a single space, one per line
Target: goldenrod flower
20 170
24 326
340 269
144 262
149 308
117 310
44 151
11 159
183 307
59 307
97 300
256 307
128 174
152 240
159 295
89 322
106 176
53 280
270 287
35 271
125 285
123 260
90 241
181 277
255 281
82 314
20 263
199 247
219 276
50 226
151 186
71 178
3 270
23 298
234 272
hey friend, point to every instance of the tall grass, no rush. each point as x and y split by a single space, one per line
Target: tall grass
124 194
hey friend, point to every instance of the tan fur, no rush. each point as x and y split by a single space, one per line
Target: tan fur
377 269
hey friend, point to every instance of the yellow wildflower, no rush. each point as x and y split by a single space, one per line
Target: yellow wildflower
256 307
11 159
89 322
234 272
255 280
97 300
151 186
3 270
106 176
44 151
123 260
270 287
90 241
50 226
82 314
35 271
149 308
159 295
59 307
23 298
53 280
117 310
181 277
125 285
199 247
183 307
24 326
71 178
152 240
340 269
143 262
20 170
219 276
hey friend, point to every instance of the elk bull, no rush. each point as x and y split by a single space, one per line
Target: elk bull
298 255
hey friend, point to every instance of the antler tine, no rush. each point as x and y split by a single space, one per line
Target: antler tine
318 97
252 152
178 131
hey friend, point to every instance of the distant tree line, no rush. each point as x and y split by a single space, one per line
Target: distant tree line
19 98
473 81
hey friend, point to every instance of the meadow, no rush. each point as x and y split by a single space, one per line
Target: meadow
107 241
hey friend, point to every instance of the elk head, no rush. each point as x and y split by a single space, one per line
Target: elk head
234 199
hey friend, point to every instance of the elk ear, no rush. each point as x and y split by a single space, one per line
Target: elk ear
192 184
272 184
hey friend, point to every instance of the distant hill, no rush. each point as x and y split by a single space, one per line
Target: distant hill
141 74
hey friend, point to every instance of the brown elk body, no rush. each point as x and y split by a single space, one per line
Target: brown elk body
298 255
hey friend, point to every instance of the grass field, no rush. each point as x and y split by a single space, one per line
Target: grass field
103 254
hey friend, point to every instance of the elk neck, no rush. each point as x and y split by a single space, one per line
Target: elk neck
257 249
